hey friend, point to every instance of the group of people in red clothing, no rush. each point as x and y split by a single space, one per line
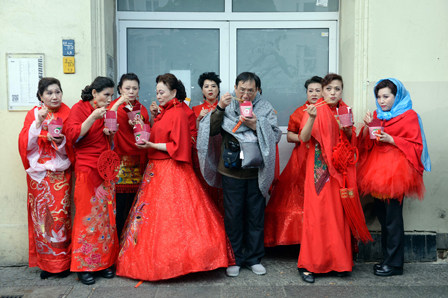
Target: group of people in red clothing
193 197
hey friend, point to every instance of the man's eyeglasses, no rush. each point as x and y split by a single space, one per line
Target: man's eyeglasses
248 92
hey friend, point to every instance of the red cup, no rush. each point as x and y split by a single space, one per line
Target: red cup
345 116
111 120
55 127
141 133
246 109
375 131
134 115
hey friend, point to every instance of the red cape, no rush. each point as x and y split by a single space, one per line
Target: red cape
89 148
407 135
63 113
171 127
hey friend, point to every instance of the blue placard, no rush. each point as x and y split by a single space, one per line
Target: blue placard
68 47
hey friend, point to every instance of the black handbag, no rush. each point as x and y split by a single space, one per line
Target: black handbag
231 156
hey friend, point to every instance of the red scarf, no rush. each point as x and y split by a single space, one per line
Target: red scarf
61 112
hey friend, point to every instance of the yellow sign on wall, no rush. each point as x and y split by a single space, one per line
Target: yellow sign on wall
69 64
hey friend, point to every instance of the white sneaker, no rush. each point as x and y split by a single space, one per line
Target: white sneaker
258 269
233 271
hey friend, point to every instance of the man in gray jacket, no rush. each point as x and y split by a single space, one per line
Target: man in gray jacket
247 168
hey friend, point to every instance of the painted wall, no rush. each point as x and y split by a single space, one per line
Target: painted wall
407 42
38 26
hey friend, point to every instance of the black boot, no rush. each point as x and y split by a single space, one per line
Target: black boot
86 278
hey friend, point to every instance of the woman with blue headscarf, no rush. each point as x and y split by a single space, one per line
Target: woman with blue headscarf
391 167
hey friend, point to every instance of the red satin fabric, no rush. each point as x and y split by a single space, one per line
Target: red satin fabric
95 240
387 171
49 223
326 238
89 148
173 228
216 194
62 113
284 212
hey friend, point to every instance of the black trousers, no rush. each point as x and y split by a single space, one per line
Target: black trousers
390 216
244 219
123 206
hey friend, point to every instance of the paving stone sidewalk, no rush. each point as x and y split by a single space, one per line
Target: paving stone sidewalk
282 280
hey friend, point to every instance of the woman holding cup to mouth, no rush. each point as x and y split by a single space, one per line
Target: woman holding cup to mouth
95 241
45 159
133 160
326 236
391 166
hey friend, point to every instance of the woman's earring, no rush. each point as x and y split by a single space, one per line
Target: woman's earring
138 98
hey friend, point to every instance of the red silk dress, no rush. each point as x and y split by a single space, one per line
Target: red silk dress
326 238
95 240
215 193
386 171
48 202
284 212
173 228
133 160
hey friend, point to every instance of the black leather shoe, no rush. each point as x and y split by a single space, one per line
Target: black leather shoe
107 273
377 266
386 270
64 274
46 274
86 278
307 276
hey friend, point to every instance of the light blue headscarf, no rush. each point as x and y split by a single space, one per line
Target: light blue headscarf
402 104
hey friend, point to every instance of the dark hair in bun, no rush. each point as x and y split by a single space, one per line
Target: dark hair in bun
99 84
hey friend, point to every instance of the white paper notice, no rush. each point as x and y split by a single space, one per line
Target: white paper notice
323 3
24 74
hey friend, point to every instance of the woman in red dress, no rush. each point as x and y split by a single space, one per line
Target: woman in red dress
133 160
326 237
173 228
391 167
45 160
284 212
95 242
209 83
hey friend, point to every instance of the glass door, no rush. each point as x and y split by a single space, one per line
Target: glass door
186 49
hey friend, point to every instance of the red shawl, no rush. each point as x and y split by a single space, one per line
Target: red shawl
63 113
124 140
89 148
407 136
171 127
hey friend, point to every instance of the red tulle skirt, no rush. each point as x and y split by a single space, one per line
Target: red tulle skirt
284 212
173 228
386 173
